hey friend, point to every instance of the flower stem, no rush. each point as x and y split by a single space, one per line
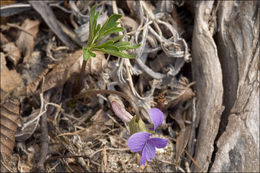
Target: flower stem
100 91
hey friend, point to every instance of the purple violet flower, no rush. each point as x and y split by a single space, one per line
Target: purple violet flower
143 143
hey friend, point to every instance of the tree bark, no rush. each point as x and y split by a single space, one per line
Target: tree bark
238 47
226 72
207 74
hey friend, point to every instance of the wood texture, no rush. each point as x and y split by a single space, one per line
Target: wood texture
238 45
207 74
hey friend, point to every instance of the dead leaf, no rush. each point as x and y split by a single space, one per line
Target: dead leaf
63 70
3 39
57 74
184 133
99 118
161 62
9 117
25 41
129 23
97 126
97 64
131 6
113 141
177 19
5 3
180 93
26 130
50 19
182 141
72 65
10 79
13 53
9 2
33 74
24 166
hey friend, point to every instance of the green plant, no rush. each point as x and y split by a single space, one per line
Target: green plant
97 33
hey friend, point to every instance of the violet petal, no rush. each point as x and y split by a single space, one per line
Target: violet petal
156 116
148 152
158 142
137 141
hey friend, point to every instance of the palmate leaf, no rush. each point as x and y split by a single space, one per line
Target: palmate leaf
110 23
97 32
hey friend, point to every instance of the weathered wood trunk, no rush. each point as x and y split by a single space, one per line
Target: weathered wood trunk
226 71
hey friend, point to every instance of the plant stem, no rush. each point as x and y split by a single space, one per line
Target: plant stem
100 91
79 82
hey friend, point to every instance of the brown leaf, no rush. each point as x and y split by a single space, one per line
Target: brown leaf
3 39
182 141
97 64
25 41
27 130
162 61
10 79
98 125
9 117
5 3
131 5
99 118
177 19
50 19
129 23
72 65
33 75
63 70
9 2
13 53
180 93
56 75
184 134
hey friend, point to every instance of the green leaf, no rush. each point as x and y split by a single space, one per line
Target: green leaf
105 44
138 126
117 38
123 45
87 54
111 47
114 52
92 53
110 23
108 32
97 29
97 33
92 23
